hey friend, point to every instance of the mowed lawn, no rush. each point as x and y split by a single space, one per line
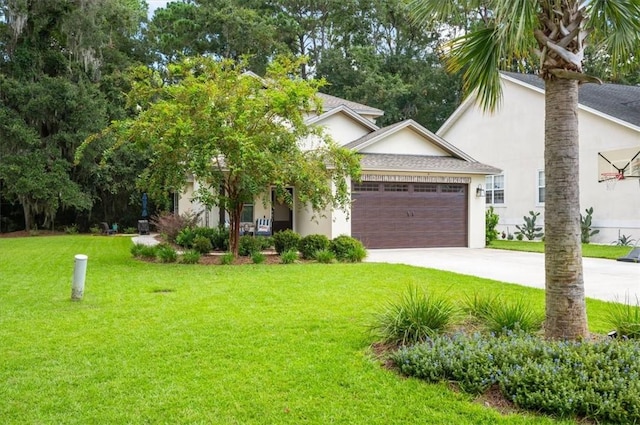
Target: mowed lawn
191 344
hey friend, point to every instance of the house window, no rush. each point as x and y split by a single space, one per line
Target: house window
247 214
541 186
494 189
425 187
452 188
366 187
396 187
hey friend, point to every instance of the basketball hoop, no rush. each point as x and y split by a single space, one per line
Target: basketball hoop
611 179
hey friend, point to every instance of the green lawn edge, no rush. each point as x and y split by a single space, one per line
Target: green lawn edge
611 252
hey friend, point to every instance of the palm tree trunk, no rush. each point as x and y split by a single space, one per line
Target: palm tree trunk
566 315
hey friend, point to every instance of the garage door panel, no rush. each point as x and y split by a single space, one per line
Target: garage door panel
411 219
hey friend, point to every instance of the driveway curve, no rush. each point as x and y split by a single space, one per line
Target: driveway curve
606 280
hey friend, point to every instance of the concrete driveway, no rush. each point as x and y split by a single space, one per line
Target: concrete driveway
607 280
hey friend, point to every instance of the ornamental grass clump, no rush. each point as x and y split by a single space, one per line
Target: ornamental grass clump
190 257
414 318
325 256
166 254
258 257
289 257
595 380
625 319
500 315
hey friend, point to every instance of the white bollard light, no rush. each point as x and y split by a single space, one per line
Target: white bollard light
79 274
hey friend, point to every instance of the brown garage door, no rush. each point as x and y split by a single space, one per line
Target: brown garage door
409 215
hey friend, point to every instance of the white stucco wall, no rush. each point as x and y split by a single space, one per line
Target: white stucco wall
513 139
342 128
404 142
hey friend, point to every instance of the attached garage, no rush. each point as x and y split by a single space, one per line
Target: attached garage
410 214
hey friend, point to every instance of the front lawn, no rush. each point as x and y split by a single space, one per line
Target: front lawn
611 252
252 344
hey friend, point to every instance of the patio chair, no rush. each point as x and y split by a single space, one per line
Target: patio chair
106 230
263 227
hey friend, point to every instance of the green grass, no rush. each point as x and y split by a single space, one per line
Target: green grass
192 344
611 252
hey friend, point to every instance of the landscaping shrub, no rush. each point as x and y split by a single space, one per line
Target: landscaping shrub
625 319
597 380
226 259
130 230
136 250
166 254
169 225
325 256
348 249
289 257
185 237
149 252
248 245
266 241
309 245
220 239
190 257
491 219
286 240
71 230
414 318
202 244
258 257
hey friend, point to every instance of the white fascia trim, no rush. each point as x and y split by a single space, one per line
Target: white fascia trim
346 111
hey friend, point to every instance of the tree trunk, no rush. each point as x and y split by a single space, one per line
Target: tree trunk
234 229
566 316
26 209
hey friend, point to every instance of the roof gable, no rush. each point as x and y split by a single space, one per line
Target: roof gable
615 102
343 109
380 135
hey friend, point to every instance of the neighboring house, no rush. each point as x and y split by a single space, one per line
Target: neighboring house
416 189
512 139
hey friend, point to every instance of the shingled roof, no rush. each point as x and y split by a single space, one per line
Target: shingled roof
423 163
616 100
330 102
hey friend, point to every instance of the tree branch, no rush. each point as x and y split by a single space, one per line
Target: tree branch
565 74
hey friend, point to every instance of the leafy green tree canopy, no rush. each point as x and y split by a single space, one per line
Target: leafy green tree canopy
233 130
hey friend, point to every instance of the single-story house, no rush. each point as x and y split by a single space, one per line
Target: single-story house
416 189
512 139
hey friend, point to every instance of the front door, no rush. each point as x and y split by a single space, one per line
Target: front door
282 214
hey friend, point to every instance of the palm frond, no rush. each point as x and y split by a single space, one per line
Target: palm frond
478 55
516 21
615 27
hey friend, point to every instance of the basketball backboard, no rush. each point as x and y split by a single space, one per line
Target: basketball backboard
619 164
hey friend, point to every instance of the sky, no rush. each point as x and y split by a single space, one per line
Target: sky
155 4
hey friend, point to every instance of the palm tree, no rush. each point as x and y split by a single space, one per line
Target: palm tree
557 30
